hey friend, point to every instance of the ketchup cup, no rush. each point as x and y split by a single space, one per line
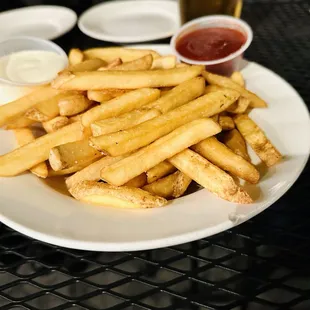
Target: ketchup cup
226 65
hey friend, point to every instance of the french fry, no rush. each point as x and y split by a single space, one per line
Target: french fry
165 62
120 197
160 170
257 140
91 172
97 80
238 78
87 65
10 111
241 105
216 117
123 142
173 185
255 101
48 109
72 169
163 187
233 140
108 54
181 65
55 123
105 94
35 152
114 63
226 122
209 176
181 184
74 104
24 136
117 106
221 156
121 172
75 56
19 122
138 182
179 95
71 154
122 122
143 63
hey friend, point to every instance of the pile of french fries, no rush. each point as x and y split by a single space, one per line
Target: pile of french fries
130 128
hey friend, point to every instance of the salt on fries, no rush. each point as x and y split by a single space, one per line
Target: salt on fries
130 128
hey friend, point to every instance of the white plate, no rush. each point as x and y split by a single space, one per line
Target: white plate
130 21
34 209
42 21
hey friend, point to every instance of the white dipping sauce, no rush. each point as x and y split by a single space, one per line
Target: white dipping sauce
31 66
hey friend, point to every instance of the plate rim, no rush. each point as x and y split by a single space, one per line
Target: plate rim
124 39
62 31
170 240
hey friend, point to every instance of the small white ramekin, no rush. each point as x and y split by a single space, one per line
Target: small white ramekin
26 43
227 65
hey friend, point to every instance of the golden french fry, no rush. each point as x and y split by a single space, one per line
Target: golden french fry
37 151
240 106
209 176
181 65
143 63
73 169
139 181
117 106
122 122
179 95
87 65
238 78
55 123
233 140
141 135
105 94
212 88
120 197
74 104
114 63
10 111
71 154
181 184
98 96
75 56
121 172
160 170
108 54
173 185
163 187
24 136
226 159
216 117
257 140
165 62
91 172
97 80
226 122
19 122
255 101
48 109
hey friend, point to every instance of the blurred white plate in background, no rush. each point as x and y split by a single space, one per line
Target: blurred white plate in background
42 21
131 21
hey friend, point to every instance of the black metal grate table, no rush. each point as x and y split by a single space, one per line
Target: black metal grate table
262 264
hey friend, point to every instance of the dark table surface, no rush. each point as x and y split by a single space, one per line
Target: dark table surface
263 264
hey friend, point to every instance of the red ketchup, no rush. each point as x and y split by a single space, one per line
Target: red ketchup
207 44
